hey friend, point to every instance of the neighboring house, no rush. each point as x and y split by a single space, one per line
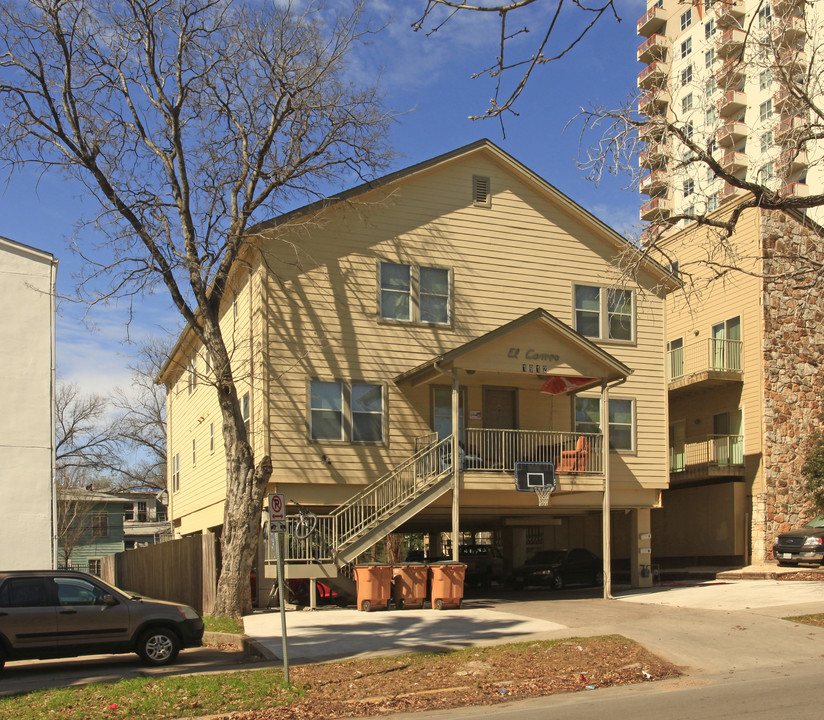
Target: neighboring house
357 325
27 292
90 527
744 353
145 516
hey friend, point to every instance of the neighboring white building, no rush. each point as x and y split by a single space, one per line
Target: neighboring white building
27 361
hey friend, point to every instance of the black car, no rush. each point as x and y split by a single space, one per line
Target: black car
804 545
56 613
559 568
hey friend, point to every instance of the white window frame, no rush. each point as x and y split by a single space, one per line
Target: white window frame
604 314
175 472
191 374
686 20
415 294
211 437
686 47
765 110
588 426
347 412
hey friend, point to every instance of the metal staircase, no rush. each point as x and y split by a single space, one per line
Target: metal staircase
371 514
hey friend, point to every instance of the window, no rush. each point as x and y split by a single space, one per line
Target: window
765 80
211 437
100 524
604 313
194 454
686 75
766 172
686 48
442 411
689 187
688 130
709 116
712 202
409 293
481 197
128 511
686 102
764 16
367 413
25 592
726 345
234 308
675 353
765 109
94 567
766 141
709 58
142 511
75 591
246 410
191 377
328 406
176 472
710 86
709 28
686 20
207 361
689 210
621 420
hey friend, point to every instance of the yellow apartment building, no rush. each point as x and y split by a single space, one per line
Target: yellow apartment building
744 379
462 307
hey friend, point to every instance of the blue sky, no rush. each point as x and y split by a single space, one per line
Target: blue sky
428 80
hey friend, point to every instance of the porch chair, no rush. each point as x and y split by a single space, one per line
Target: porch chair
575 460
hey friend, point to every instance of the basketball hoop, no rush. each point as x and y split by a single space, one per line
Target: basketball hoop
543 494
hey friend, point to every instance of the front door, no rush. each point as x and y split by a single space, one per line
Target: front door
500 415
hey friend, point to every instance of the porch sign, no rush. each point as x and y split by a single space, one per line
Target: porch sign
277 528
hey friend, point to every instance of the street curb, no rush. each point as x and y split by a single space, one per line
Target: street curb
251 648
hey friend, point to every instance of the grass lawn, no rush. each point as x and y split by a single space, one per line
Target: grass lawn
223 625
817 619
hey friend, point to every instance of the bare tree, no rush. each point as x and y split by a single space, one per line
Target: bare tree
551 22
681 140
85 436
188 120
141 419
75 506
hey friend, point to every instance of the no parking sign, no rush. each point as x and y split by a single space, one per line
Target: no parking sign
277 513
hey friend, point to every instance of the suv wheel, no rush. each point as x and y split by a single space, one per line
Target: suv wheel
158 646
557 582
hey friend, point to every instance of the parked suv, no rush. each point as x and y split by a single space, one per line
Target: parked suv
483 564
56 613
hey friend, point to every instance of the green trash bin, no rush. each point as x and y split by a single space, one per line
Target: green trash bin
374 583
409 585
447 584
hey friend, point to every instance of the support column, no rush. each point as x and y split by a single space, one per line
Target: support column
640 547
607 504
456 465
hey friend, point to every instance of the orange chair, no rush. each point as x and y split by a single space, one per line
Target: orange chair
575 460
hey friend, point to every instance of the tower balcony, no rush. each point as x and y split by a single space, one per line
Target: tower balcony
653 130
653 75
652 22
732 74
793 62
786 103
796 189
790 128
783 8
655 47
734 161
791 161
730 192
732 133
653 103
732 103
655 182
731 42
657 208
730 13
653 156
790 31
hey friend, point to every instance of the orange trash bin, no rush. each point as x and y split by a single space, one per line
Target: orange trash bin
374 583
409 585
447 584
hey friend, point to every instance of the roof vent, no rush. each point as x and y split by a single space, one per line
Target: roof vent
481 196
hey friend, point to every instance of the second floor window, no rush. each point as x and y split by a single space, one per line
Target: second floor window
100 524
604 313
621 420
176 472
410 293
341 411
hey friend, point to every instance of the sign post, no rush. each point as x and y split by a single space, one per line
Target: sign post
277 528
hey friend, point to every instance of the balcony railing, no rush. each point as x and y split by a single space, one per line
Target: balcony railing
656 209
734 161
498 450
796 189
792 161
653 48
713 354
730 192
653 75
653 183
790 128
718 452
732 102
732 133
730 13
730 42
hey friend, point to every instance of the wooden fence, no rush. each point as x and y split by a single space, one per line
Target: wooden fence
183 571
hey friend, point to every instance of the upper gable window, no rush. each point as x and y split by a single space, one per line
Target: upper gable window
604 313
411 293
481 195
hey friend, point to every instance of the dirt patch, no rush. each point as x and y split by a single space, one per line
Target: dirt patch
803 575
474 676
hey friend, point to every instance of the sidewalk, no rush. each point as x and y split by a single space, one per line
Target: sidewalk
711 625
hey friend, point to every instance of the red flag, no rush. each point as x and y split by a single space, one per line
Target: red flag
557 384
